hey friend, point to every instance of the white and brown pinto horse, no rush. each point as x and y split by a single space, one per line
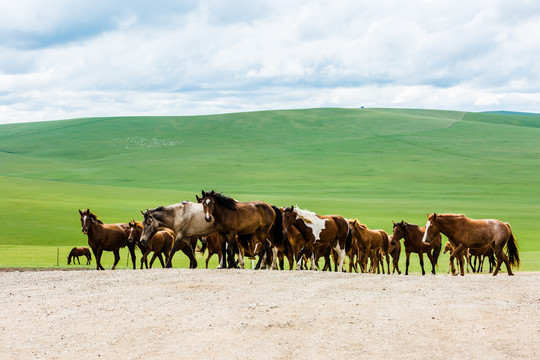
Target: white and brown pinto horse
186 219
232 218
320 232
470 233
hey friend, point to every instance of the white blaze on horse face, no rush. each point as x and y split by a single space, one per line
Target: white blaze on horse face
207 213
424 238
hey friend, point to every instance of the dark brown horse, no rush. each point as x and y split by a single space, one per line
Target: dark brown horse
79 251
321 232
412 239
480 255
470 233
232 218
161 243
105 237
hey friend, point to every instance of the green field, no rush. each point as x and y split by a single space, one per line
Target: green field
376 165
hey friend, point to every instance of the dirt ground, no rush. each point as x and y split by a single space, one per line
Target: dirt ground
246 314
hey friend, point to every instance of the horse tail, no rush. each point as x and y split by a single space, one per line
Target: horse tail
348 242
512 250
278 226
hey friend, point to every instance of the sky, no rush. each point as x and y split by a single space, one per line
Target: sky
63 59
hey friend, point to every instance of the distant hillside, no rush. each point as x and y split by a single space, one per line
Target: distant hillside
375 164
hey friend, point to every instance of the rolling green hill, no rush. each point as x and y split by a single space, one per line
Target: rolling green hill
376 165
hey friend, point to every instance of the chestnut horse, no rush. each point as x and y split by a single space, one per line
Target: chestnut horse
232 218
79 251
369 242
412 239
470 233
321 232
449 247
105 237
160 243
186 219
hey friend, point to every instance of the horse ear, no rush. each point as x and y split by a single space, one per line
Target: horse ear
198 198
292 207
402 223
80 212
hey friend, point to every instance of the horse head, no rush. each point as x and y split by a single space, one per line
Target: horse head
208 201
150 226
133 233
289 217
86 218
398 232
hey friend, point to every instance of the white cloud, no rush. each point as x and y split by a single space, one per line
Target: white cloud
73 59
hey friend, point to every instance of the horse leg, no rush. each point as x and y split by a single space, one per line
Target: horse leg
224 247
432 261
176 246
407 261
160 257
300 258
421 256
116 258
341 257
153 258
501 256
188 250
396 263
97 255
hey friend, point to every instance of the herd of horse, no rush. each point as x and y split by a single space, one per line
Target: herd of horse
232 230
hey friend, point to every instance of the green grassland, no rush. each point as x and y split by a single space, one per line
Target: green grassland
376 165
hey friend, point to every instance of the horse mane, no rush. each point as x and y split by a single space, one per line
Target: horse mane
306 215
356 222
93 216
224 201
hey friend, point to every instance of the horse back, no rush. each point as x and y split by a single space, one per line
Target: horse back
110 237
252 216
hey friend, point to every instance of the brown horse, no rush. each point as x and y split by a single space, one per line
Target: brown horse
480 255
412 239
449 247
369 242
232 218
321 232
105 237
213 244
394 250
161 243
79 251
470 233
